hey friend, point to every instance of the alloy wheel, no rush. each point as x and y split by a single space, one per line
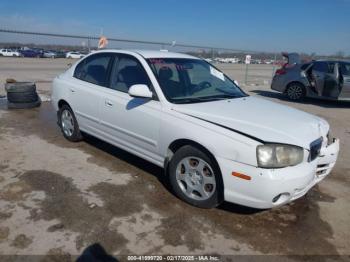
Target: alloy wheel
67 123
295 92
196 178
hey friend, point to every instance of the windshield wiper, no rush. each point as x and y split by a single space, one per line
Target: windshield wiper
204 99
226 96
189 100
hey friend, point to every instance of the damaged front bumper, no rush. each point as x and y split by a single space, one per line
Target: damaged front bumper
269 188
325 163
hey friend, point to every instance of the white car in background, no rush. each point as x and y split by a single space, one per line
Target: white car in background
74 55
179 112
9 52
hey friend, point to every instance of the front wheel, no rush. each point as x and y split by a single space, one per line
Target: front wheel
295 91
69 124
195 178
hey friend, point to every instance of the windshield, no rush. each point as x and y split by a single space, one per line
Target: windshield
192 80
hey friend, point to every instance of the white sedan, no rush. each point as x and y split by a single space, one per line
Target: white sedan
74 55
179 112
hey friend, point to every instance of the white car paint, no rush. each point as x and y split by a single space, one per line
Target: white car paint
230 130
9 52
74 55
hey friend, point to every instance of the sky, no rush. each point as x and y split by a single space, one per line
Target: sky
321 26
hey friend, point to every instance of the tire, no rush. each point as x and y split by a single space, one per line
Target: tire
191 186
11 105
296 91
24 97
68 124
19 87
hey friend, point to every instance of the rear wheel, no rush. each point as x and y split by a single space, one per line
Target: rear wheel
69 124
195 178
295 91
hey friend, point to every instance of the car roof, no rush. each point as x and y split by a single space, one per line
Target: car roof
330 60
150 53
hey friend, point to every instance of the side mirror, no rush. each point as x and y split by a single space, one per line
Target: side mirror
140 91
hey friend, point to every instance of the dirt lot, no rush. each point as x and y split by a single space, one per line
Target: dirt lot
58 197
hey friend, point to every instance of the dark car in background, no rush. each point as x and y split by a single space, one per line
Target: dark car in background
31 53
60 54
326 79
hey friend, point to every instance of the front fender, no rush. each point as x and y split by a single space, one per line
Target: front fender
218 141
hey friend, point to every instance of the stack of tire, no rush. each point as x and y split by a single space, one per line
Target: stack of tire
22 95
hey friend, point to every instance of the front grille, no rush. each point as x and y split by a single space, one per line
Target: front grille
315 148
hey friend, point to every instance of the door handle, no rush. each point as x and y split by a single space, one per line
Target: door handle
108 103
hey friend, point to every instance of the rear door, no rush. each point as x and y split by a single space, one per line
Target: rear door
345 80
318 74
90 77
331 87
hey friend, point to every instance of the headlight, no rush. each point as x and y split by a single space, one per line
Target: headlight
279 155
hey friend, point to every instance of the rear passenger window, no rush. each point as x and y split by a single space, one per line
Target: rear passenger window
320 67
331 66
127 72
94 69
304 66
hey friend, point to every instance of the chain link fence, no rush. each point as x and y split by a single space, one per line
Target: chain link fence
232 61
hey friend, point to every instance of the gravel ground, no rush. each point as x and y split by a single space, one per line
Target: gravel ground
57 198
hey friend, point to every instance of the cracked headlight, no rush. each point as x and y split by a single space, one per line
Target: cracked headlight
279 155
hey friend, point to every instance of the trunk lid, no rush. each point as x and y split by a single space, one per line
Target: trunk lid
292 58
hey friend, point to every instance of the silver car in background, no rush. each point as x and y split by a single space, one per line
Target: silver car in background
326 79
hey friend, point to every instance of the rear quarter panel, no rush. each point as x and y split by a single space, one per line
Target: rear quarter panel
281 82
60 87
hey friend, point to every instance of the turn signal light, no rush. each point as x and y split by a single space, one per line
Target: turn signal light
242 176
280 72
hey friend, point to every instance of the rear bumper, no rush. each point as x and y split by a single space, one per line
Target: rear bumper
278 83
275 187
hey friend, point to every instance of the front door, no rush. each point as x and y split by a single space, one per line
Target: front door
132 123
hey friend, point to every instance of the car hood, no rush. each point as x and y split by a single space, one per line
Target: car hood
260 119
